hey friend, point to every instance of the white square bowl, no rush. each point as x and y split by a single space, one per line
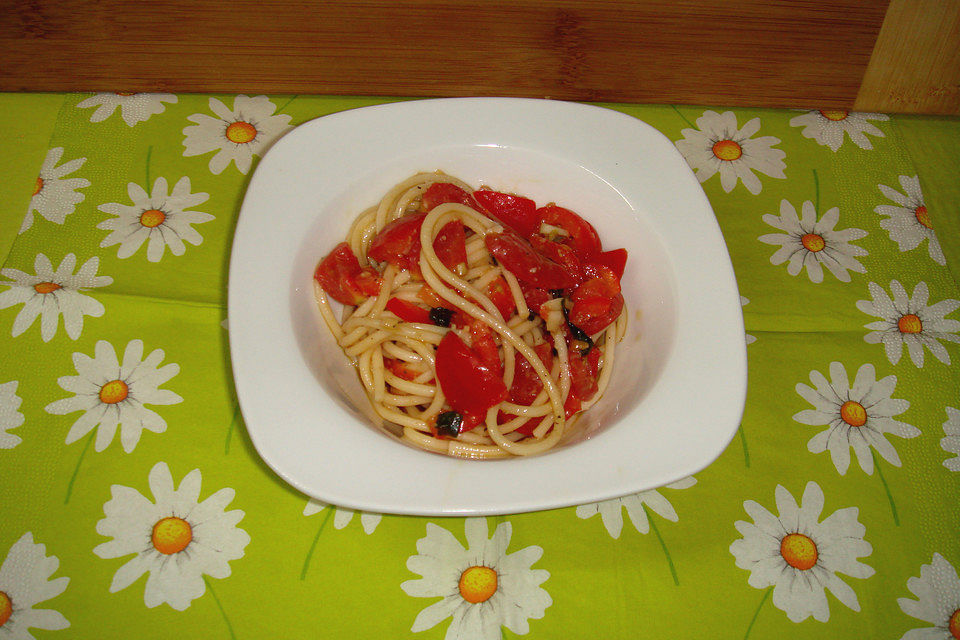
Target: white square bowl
677 392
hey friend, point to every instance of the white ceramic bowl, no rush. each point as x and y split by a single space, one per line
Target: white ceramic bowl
677 393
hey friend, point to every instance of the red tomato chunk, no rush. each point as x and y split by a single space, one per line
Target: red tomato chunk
342 277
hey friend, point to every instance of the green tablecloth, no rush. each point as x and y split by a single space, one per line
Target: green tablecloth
834 513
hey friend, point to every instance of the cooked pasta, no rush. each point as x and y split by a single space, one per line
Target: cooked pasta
461 311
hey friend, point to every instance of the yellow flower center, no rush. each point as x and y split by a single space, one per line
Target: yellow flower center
171 535
152 218
478 584
953 625
834 114
813 242
46 287
241 132
853 413
114 391
923 217
910 323
799 551
39 186
6 608
727 150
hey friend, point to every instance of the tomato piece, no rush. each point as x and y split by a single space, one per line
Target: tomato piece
483 344
534 296
399 242
443 192
517 212
616 260
597 302
583 379
468 383
502 298
518 257
450 245
401 369
407 311
581 236
561 254
526 383
341 276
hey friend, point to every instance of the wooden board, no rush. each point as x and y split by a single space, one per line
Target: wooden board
799 53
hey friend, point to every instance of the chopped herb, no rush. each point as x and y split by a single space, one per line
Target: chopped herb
449 423
441 316
531 315
556 293
579 335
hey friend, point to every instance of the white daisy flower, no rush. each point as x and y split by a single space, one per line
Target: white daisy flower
611 511
134 107
51 292
856 416
717 144
163 219
744 301
800 556
55 196
814 244
482 586
114 394
828 126
951 439
235 134
176 538
10 416
342 516
908 223
938 601
907 320
24 582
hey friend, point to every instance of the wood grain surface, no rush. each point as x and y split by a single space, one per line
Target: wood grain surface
799 53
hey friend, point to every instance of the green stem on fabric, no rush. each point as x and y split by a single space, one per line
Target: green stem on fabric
766 594
83 453
286 104
746 451
316 539
886 487
220 606
683 116
149 153
663 545
230 429
816 191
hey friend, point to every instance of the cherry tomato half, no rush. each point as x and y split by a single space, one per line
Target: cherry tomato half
518 257
407 311
399 243
615 259
341 276
450 245
596 302
517 212
443 192
500 295
469 384
581 236
560 253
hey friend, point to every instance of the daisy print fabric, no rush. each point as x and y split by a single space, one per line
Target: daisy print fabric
813 243
611 511
50 293
342 516
55 195
134 107
800 555
236 134
856 416
113 394
176 538
908 220
10 416
829 127
481 586
26 580
908 321
719 145
163 219
937 601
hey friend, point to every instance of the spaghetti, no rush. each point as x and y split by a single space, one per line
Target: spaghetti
480 325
